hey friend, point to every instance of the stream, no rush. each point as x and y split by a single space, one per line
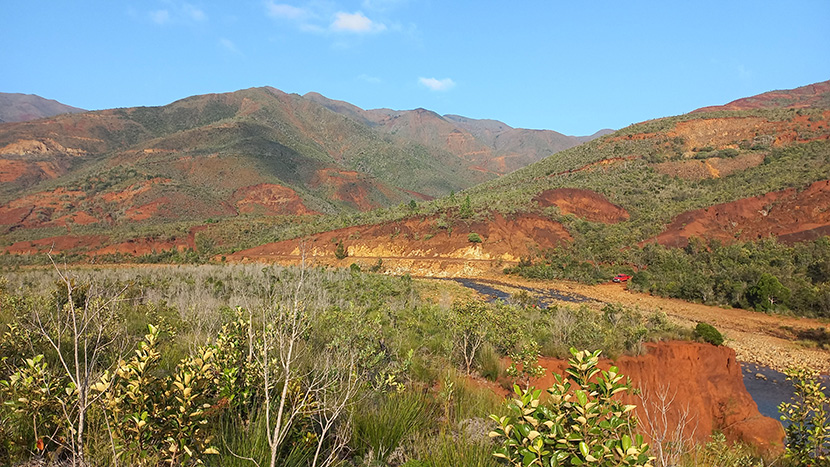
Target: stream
768 388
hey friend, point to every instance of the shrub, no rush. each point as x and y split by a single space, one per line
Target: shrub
340 251
808 431
581 424
474 238
708 333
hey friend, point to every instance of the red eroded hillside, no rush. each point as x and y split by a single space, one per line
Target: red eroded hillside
420 245
812 95
702 378
584 204
269 199
790 215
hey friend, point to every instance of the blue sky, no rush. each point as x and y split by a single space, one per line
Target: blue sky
573 67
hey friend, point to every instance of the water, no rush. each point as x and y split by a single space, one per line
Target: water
767 391
546 296
768 388
772 389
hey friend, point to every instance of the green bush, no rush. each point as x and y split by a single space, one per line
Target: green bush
340 251
708 333
474 238
582 423
808 431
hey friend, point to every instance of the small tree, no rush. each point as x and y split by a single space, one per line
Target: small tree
582 423
466 210
808 433
470 322
340 251
474 238
766 293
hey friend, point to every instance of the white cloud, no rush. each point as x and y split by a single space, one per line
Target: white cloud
228 45
283 10
355 22
370 79
160 16
382 5
196 14
178 13
437 84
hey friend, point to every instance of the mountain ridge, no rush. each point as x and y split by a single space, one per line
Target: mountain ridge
18 107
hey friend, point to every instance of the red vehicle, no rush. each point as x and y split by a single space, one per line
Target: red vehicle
621 278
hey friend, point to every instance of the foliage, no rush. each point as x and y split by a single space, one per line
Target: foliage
708 333
473 237
340 251
808 428
32 406
162 419
382 424
766 293
765 275
524 363
471 327
582 423
370 351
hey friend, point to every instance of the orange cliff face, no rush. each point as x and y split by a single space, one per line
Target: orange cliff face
703 380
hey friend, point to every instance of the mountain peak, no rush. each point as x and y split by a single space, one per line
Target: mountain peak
16 107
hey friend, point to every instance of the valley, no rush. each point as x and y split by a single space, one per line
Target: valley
418 264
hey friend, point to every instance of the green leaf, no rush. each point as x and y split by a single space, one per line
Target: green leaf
583 448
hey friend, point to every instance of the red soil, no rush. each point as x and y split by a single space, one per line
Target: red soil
789 215
141 246
351 187
269 199
729 132
703 378
420 246
803 97
713 167
13 169
584 204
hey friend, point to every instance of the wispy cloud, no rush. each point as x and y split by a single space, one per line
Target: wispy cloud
194 13
370 79
228 45
437 84
160 16
285 11
178 13
355 22
382 5
319 18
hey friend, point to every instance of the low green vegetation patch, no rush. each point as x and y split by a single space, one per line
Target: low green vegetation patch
198 363
229 365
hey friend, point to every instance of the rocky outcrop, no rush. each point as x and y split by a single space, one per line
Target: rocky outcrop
702 380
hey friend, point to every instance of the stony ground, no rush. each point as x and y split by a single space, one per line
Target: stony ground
764 339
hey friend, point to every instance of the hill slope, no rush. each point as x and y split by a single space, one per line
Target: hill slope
728 175
487 145
16 107
247 155
813 95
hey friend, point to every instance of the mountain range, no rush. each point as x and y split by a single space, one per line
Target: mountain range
258 150
245 167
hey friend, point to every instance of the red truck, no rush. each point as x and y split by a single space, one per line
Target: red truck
621 278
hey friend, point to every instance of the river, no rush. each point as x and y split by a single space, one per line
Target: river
768 388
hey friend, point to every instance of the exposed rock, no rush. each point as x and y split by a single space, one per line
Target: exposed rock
701 377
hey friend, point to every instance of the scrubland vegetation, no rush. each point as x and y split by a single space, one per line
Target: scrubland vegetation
764 275
255 365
